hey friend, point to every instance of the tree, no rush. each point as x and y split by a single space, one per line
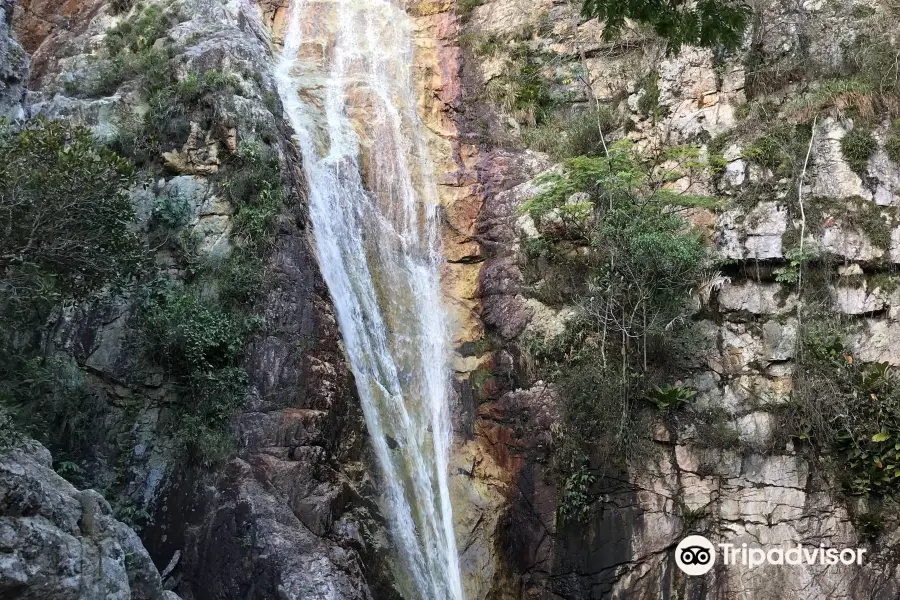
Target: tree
706 23
66 218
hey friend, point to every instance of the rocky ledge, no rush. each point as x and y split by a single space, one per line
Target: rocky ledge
61 543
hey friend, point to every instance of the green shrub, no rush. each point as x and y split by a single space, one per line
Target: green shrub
140 33
173 105
171 212
239 277
566 136
465 7
849 410
522 90
783 150
648 104
10 437
48 399
200 343
67 223
710 23
670 397
627 259
120 6
857 147
188 335
256 189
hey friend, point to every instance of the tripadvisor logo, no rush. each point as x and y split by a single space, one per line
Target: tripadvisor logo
696 555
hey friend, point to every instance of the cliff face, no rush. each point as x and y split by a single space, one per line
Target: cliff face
751 484
59 542
14 71
290 512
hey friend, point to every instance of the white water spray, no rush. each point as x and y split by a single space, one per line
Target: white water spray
344 79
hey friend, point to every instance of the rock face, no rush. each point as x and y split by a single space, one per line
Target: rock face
59 543
292 513
13 66
769 493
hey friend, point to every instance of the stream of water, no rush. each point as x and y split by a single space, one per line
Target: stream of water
345 80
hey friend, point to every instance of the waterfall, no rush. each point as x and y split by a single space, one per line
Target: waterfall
344 77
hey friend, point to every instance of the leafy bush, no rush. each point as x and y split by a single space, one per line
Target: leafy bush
671 396
10 437
120 6
241 277
566 136
790 273
171 212
857 147
173 105
189 336
200 344
783 150
522 90
630 264
464 7
256 189
648 104
847 409
48 399
132 49
707 23
65 216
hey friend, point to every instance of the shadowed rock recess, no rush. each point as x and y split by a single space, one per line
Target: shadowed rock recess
670 281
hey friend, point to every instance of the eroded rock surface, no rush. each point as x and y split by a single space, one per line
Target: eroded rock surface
61 543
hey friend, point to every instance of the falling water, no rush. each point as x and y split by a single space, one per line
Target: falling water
344 79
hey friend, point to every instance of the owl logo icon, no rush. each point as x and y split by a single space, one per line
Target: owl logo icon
695 555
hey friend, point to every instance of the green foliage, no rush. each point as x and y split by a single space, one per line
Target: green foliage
565 136
783 150
10 437
522 90
648 103
140 33
857 147
189 336
171 212
239 276
48 399
135 517
706 23
66 225
869 525
872 58
256 189
848 409
120 6
625 257
790 273
133 51
173 105
575 501
465 7
670 397
200 343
